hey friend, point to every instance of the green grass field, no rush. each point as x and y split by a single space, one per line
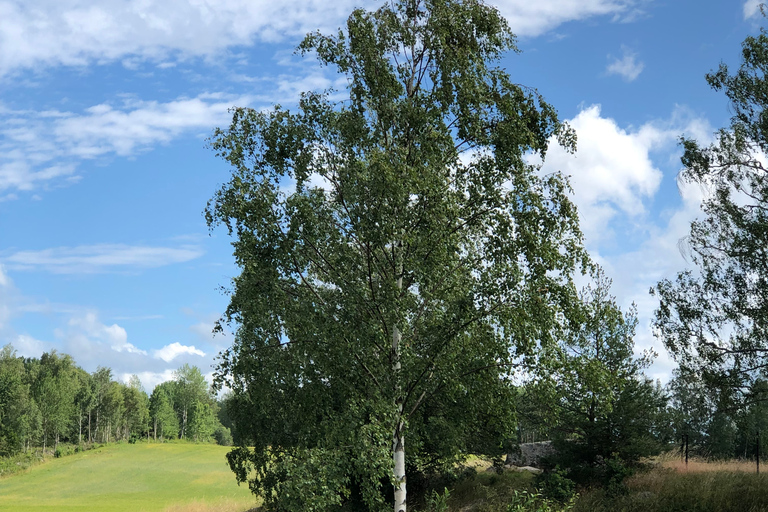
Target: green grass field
125 477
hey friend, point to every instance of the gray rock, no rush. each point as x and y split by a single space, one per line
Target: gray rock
522 469
530 454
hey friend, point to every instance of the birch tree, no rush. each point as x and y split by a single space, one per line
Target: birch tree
400 258
714 320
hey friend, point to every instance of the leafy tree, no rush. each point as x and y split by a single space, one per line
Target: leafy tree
112 411
394 300
83 399
136 407
225 417
604 406
54 390
691 407
163 416
752 422
190 388
101 380
17 411
203 422
715 321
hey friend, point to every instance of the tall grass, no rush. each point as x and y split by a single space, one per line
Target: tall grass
728 486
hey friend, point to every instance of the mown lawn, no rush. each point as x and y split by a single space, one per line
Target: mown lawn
135 478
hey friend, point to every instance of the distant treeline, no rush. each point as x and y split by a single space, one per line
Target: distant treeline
50 400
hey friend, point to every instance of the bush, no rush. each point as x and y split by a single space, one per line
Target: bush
554 485
524 501
223 436
616 473
437 502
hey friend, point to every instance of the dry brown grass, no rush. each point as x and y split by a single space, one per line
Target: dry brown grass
696 465
226 505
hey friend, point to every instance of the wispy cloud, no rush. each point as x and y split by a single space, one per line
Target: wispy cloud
527 18
627 67
72 33
41 147
752 8
49 33
90 259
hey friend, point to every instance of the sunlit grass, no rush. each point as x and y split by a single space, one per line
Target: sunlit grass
130 478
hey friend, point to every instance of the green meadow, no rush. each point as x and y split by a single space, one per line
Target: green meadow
131 478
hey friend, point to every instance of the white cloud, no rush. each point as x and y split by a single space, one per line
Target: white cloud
150 379
611 171
28 346
658 257
527 18
40 147
616 174
614 171
7 293
88 259
86 329
627 67
49 33
70 32
170 352
73 33
752 8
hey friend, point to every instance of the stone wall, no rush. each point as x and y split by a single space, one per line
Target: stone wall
530 454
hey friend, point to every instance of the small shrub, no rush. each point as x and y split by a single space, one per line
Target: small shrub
223 436
554 485
57 453
616 474
437 502
524 501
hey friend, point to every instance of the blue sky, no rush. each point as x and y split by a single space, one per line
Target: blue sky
105 107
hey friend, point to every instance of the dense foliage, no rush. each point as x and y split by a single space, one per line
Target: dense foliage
50 400
593 400
399 258
714 320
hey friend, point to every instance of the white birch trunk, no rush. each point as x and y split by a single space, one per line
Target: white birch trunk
398 442
399 458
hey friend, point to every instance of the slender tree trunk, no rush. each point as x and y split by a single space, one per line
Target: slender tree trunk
80 428
90 438
398 442
399 458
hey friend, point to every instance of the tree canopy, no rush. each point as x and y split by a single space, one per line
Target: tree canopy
400 256
714 320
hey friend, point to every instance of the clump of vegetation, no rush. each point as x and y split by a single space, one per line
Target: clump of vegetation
555 485
663 490
18 463
524 501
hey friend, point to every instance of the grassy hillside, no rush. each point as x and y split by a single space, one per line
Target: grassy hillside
135 478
